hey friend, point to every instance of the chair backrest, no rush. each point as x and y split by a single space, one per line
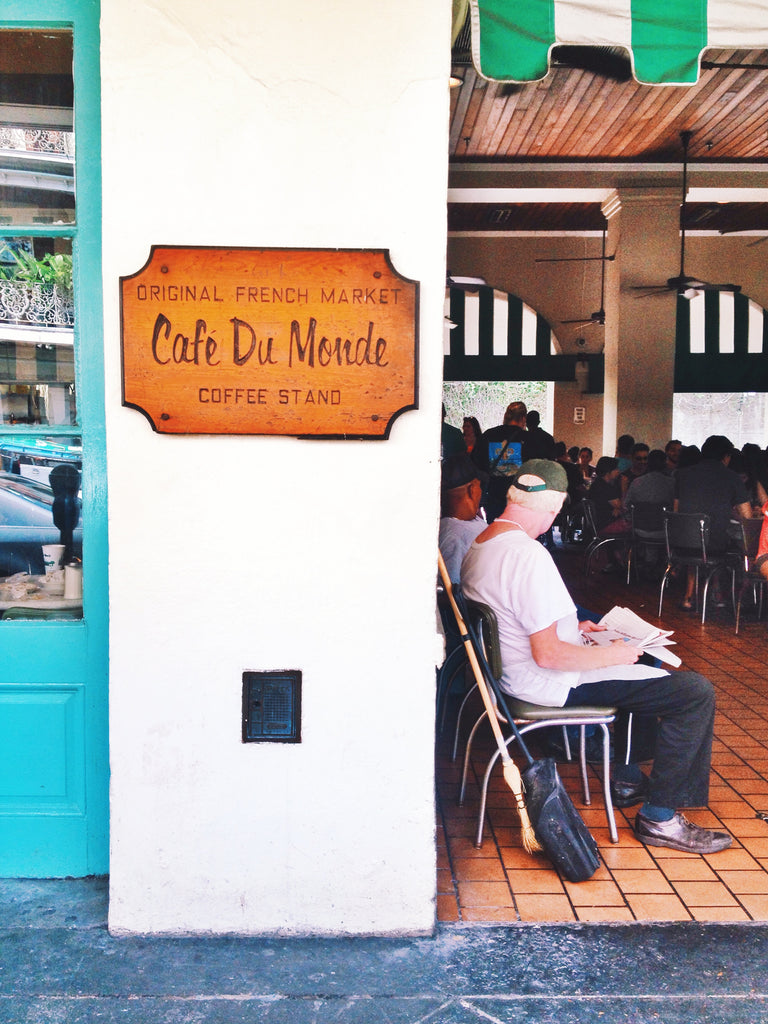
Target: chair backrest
483 619
749 539
590 517
686 533
647 517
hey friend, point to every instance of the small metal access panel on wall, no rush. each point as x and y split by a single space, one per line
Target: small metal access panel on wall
272 706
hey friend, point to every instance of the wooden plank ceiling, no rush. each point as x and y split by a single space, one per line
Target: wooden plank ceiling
590 110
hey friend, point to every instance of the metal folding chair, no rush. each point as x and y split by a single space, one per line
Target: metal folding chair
647 532
749 540
534 716
686 537
597 542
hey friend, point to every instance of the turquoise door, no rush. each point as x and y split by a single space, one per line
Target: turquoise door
53 645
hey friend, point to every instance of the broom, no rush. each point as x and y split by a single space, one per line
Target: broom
509 768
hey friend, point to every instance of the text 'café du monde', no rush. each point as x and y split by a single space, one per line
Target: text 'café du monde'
198 346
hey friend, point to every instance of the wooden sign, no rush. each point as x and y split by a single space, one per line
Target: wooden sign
309 342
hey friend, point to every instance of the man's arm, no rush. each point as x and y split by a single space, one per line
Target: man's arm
549 651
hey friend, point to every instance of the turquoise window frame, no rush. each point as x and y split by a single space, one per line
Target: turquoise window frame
75 651
82 18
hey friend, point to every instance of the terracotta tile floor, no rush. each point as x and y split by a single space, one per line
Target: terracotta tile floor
500 882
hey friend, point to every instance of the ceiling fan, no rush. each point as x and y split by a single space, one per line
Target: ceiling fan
598 317
686 286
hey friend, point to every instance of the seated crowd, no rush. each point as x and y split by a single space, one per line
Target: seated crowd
500 500
716 479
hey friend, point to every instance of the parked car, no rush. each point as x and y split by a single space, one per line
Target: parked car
26 523
35 457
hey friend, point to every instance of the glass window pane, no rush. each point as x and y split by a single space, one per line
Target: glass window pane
37 361
40 471
41 542
37 143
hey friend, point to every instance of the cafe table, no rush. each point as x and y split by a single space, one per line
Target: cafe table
39 598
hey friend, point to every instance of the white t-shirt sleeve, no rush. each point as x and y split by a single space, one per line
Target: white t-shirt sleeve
542 596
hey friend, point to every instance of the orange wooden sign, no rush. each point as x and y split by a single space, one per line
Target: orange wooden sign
309 342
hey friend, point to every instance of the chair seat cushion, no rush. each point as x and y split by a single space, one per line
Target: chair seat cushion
533 712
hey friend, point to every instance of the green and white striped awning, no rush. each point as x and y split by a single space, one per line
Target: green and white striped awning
511 39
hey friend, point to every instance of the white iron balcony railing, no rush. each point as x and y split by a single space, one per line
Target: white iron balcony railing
37 305
37 140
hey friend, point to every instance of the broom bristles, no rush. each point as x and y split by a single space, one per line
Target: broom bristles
515 783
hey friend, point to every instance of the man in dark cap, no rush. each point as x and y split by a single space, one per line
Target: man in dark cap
545 660
461 489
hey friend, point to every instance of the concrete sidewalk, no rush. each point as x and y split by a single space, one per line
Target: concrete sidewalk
59 965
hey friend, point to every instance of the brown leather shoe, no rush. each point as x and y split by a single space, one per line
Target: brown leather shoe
680 834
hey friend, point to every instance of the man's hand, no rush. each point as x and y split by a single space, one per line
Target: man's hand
590 627
623 652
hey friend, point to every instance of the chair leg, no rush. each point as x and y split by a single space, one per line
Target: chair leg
467 754
739 599
459 668
594 547
566 743
708 578
583 765
484 791
664 579
484 796
445 676
457 730
630 716
612 832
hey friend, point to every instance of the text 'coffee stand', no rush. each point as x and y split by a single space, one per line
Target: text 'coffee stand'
305 342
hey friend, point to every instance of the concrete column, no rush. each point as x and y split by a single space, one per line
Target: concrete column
643 232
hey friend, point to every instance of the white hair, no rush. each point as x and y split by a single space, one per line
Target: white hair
537 501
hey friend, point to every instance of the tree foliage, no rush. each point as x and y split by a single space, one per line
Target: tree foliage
487 400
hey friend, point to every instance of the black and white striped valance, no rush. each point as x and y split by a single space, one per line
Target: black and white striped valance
721 344
499 337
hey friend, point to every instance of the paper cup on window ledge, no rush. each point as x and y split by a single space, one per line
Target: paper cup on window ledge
53 555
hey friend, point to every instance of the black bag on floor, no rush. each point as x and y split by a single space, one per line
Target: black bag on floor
558 825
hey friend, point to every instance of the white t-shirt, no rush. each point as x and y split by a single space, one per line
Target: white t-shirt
516 577
454 539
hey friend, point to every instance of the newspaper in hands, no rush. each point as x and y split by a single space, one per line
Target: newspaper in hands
623 624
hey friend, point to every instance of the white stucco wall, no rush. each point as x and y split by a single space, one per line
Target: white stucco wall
301 125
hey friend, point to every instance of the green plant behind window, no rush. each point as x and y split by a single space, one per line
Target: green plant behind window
51 269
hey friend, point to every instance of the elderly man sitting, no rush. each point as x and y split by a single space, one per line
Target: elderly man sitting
546 661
